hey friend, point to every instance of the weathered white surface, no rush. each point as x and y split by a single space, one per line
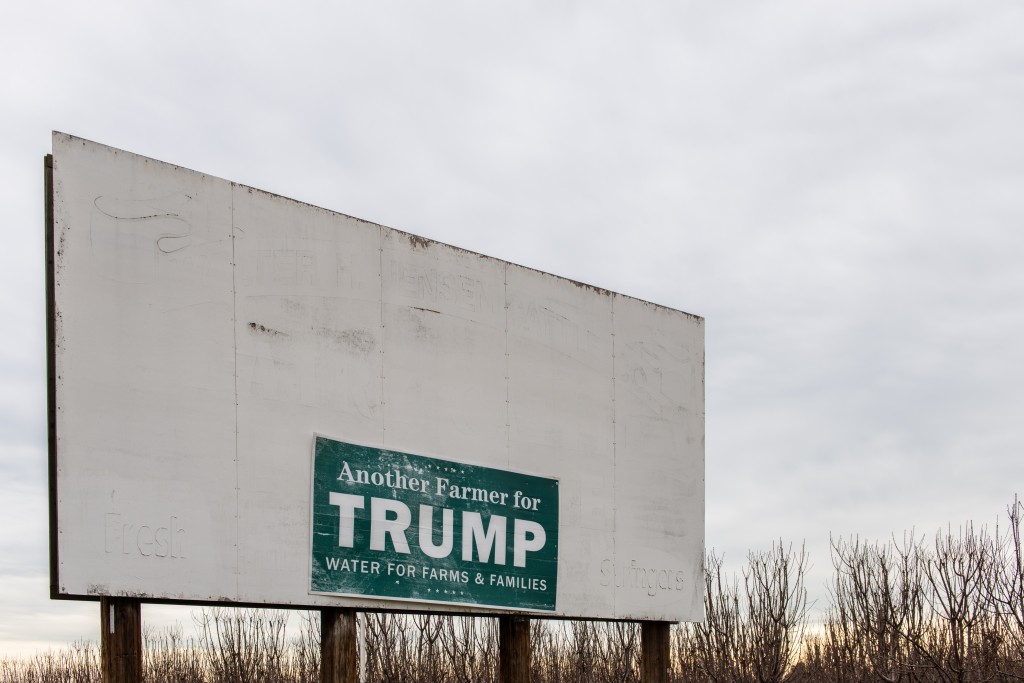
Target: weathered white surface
561 413
206 330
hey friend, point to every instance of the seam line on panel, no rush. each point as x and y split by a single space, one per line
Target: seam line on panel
234 343
380 282
508 415
615 470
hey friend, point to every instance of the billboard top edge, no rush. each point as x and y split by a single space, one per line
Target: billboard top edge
412 237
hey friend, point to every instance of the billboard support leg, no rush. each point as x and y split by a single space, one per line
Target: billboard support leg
120 640
513 649
655 644
338 660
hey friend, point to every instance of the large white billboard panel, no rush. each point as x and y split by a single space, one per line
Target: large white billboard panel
205 332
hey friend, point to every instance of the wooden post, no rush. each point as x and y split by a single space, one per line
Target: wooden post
655 646
513 649
120 640
339 662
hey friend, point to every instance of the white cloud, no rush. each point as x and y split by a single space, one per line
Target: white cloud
836 191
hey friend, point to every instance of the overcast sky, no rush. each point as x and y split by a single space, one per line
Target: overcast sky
837 188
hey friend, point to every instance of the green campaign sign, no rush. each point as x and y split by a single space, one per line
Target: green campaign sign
395 525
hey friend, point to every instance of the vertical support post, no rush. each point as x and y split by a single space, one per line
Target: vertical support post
655 651
120 640
338 660
513 649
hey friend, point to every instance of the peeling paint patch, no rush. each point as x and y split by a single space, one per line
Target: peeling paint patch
418 242
359 341
591 288
263 329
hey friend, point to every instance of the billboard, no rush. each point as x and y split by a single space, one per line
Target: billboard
239 381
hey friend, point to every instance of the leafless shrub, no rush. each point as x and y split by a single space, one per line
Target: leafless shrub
168 658
943 613
957 642
305 649
878 610
686 665
1006 591
549 643
753 636
243 645
620 654
78 663
716 643
776 610
430 648
469 648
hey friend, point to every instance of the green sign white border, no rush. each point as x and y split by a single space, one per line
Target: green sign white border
472 606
